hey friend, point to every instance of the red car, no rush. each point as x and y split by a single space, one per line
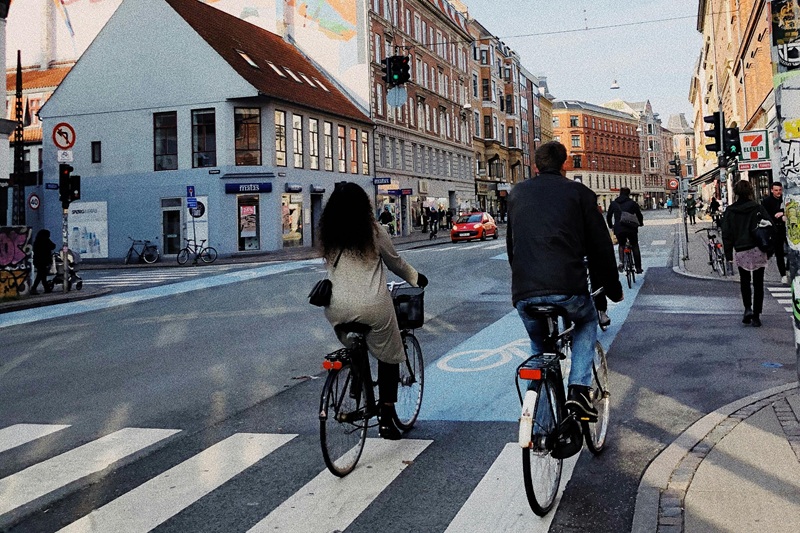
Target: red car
473 226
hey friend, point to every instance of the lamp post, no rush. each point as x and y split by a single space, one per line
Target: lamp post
6 126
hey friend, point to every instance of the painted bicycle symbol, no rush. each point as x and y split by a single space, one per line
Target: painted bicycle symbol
485 359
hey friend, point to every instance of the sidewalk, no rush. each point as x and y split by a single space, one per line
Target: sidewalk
737 469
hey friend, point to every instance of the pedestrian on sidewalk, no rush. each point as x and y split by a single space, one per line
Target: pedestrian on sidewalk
740 219
42 259
669 205
691 209
773 203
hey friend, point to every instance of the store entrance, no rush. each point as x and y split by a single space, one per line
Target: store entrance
249 227
171 225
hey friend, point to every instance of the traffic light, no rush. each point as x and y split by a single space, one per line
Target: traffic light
385 70
394 70
714 134
675 167
404 68
733 147
74 188
64 175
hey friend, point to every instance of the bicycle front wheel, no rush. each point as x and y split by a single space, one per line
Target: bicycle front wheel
128 256
342 421
208 255
540 470
595 432
150 255
719 260
412 383
183 256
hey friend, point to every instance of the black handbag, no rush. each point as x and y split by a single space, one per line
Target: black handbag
320 295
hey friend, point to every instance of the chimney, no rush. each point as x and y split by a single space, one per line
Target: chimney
49 39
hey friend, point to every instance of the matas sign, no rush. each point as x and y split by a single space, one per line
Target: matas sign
754 145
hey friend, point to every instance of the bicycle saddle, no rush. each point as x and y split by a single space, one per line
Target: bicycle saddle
546 310
352 327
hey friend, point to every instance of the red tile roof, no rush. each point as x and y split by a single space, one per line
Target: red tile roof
228 35
37 79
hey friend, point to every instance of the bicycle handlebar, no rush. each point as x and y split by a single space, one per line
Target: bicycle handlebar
707 230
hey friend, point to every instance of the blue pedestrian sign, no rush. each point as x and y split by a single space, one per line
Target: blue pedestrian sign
190 191
191 202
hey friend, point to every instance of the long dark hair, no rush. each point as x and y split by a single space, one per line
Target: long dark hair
347 222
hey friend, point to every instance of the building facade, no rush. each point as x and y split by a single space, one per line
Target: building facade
247 130
602 148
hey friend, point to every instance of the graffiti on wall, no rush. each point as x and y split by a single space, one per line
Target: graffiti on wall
16 258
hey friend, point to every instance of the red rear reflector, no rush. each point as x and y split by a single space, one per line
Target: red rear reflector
331 365
530 373
719 245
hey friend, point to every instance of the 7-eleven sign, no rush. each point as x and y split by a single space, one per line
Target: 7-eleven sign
754 145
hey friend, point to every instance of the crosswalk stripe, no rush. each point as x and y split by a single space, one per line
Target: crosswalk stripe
328 503
499 502
658 243
784 300
495 246
47 476
162 497
19 434
789 309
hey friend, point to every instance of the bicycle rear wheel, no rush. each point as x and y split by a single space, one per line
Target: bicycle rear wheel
183 256
630 273
719 261
208 255
540 470
412 383
150 254
595 432
342 421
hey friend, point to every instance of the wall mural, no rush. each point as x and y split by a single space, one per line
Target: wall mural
16 260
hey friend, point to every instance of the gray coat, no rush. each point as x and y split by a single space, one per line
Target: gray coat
360 295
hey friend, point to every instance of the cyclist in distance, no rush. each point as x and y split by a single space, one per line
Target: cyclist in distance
356 248
625 227
553 224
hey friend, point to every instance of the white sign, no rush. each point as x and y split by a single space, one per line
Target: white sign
755 165
63 136
754 145
87 227
64 156
33 201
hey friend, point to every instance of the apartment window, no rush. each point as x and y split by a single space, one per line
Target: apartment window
556 122
328 140
576 161
247 142
165 141
573 121
474 85
353 151
365 152
576 141
97 154
484 57
650 129
204 138
509 104
313 143
280 138
485 89
487 127
342 146
297 140
511 137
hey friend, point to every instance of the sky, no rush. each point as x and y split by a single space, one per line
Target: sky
649 60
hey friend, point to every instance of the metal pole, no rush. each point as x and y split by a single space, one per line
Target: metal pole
64 250
18 198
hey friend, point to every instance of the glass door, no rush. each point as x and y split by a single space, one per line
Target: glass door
171 226
249 227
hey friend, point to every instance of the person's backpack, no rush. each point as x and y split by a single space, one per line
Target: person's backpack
764 236
629 220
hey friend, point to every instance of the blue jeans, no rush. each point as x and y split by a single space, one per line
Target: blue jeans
584 315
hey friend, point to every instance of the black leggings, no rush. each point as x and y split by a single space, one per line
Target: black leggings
388 378
758 289
41 277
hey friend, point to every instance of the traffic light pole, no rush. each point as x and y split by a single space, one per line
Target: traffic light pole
64 249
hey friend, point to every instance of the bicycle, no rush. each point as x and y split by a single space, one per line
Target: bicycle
547 432
628 265
716 255
144 250
207 254
348 402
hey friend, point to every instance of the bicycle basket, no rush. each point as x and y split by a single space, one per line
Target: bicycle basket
409 306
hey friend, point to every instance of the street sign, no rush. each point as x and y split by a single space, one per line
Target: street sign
51 186
198 211
672 183
754 145
191 202
64 156
381 181
33 201
63 136
190 191
755 165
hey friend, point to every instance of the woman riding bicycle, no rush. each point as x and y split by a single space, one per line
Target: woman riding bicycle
355 248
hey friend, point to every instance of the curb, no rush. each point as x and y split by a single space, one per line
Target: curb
73 296
659 473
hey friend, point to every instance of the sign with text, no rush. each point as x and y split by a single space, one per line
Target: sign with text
381 181
239 188
754 145
755 165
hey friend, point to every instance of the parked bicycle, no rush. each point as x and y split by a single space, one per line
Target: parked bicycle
348 402
716 254
142 250
628 265
548 433
206 254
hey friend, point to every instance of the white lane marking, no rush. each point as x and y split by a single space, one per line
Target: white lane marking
42 478
328 503
784 301
164 496
499 503
658 243
469 247
19 434
113 300
789 309
495 246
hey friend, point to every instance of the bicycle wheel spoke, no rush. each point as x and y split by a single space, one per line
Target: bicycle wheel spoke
343 426
412 384
595 432
541 471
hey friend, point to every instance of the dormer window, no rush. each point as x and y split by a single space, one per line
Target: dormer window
247 58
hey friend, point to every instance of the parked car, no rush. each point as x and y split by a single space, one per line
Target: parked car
473 226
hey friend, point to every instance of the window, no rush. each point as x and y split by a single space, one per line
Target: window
576 141
297 140
484 57
342 149
97 155
365 150
204 138
165 140
353 151
313 143
487 127
280 138
247 128
485 89
328 137
474 85
573 121
556 122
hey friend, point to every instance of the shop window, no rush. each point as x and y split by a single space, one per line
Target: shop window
165 141
204 138
292 219
247 128
249 226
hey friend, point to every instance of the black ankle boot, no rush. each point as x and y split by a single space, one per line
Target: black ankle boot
756 321
386 428
748 316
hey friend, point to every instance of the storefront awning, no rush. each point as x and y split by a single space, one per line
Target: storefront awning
708 177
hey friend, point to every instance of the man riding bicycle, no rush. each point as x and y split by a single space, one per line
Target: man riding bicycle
553 224
624 217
